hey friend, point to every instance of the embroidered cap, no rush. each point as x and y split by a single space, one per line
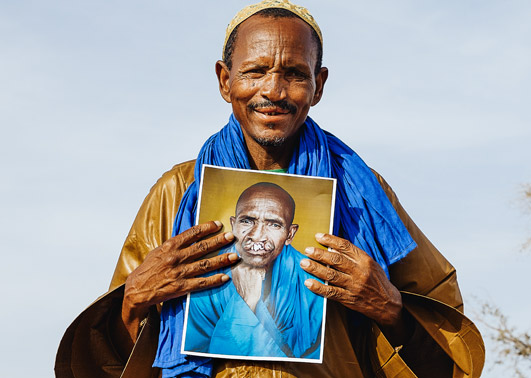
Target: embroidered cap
250 10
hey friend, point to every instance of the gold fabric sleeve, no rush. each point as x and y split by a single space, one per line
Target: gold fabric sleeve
154 222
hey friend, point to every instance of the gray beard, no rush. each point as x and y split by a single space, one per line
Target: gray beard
270 142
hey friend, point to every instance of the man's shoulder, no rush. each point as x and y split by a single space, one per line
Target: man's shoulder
174 181
182 172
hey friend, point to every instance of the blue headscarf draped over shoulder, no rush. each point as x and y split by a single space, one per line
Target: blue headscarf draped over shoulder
363 215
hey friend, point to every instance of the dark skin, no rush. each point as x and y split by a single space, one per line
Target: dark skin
170 271
273 63
271 87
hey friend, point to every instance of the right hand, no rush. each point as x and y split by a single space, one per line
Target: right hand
170 271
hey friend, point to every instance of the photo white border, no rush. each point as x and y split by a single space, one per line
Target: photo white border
323 323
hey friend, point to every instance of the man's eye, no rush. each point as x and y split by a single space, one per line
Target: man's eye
255 72
296 74
276 225
245 221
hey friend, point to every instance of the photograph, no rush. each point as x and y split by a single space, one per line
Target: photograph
264 311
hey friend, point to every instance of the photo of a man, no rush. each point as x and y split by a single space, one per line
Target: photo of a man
264 310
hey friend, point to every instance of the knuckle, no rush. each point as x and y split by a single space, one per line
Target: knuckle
336 259
170 245
202 283
202 246
204 265
332 275
331 292
169 259
194 231
344 244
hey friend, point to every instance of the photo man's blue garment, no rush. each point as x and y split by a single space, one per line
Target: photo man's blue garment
286 322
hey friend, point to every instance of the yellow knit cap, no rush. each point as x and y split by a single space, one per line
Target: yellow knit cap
248 11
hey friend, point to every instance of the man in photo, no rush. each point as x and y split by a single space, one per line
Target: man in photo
258 313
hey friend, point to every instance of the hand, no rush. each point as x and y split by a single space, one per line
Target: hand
355 280
170 271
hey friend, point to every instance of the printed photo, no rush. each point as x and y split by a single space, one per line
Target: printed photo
264 311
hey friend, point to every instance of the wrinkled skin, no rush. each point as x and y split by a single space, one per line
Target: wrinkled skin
262 226
271 85
171 270
355 279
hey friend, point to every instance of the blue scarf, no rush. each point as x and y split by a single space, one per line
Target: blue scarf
363 215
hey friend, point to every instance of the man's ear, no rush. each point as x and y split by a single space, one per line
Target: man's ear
320 81
291 233
232 220
223 74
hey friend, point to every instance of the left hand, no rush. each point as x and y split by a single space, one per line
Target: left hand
355 280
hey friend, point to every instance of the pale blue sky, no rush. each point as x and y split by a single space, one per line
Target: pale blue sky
98 99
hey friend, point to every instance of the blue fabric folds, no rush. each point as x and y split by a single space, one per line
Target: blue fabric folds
363 215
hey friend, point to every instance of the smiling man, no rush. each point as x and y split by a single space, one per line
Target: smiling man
395 308
265 310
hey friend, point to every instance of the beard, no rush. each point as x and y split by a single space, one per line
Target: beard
270 142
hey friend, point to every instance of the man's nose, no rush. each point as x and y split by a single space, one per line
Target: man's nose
256 233
274 87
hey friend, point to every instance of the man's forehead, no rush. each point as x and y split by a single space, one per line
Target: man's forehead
253 28
264 196
251 10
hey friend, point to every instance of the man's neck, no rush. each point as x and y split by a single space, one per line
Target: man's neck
248 282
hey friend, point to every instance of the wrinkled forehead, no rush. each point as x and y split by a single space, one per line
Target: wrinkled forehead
271 199
258 32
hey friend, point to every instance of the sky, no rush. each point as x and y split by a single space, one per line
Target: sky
98 99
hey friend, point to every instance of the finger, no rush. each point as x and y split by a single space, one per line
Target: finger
204 247
195 233
336 259
202 283
208 265
328 291
340 245
333 276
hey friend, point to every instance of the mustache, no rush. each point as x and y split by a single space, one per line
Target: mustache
282 104
251 245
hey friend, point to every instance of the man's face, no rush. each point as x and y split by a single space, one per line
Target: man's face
262 227
272 82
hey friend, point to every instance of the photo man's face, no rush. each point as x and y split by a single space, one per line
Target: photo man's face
262 227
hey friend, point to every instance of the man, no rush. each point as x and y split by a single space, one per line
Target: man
394 308
265 310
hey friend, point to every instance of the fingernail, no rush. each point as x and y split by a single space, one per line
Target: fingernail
225 278
319 235
309 250
308 283
305 263
229 236
218 223
233 257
